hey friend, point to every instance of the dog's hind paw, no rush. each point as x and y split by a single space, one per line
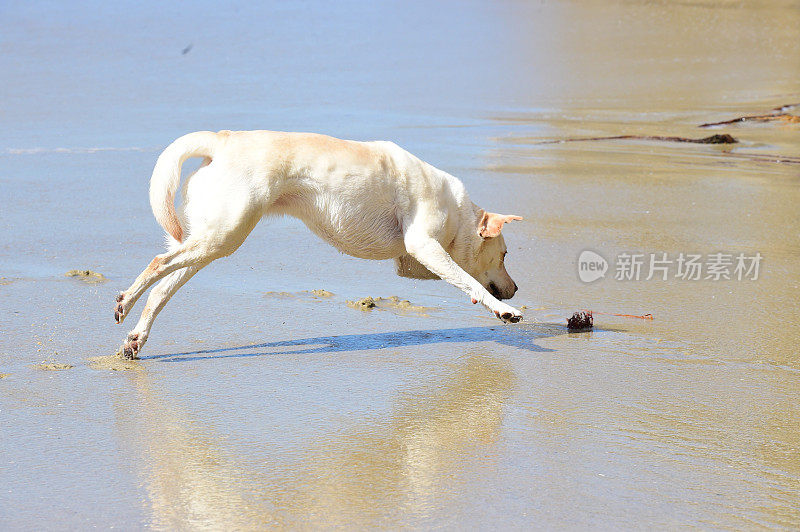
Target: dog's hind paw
130 349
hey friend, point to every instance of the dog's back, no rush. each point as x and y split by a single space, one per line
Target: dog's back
353 194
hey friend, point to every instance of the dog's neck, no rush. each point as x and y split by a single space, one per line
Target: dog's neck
466 243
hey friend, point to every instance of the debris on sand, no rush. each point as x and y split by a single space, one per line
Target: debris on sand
776 114
783 117
87 275
713 139
365 303
279 295
319 292
403 305
640 316
4 375
394 303
49 365
113 363
580 321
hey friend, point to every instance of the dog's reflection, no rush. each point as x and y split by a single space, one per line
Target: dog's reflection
377 473
408 465
191 483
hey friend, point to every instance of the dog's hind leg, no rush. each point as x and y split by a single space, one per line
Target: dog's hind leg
158 297
196 252
206 243
155 270
219 213
173 268
177 266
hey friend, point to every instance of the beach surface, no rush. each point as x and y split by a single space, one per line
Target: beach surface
259 402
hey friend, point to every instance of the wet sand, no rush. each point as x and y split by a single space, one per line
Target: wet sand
260 402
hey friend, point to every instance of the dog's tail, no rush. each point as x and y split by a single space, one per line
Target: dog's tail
167 175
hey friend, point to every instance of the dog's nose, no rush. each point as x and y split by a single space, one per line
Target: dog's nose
515 288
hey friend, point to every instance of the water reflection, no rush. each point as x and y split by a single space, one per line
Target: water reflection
191 482
409 466
380 471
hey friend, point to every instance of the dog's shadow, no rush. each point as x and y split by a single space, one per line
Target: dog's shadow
517 336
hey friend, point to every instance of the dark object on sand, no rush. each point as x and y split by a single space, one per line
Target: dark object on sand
365 303
86 275
715 139
580 321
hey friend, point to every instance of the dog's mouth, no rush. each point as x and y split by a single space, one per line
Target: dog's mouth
499 294
495 291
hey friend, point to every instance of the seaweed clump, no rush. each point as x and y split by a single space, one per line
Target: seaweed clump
716 139
580 321
86 275
365 303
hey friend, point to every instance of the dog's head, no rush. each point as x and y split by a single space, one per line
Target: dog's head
490 269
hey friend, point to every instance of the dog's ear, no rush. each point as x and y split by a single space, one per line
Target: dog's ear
490 224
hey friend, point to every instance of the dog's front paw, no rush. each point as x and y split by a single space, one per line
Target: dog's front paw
507 313
133 344
119 308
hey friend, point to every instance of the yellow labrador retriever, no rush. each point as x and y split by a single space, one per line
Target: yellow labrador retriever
371 200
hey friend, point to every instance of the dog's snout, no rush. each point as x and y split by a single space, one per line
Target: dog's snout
506 292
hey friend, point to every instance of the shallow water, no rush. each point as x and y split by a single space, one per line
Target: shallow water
259 404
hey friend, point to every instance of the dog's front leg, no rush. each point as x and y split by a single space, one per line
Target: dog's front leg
432 255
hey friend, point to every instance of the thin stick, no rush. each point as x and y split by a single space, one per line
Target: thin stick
642 317
713 139
786 107
786 117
